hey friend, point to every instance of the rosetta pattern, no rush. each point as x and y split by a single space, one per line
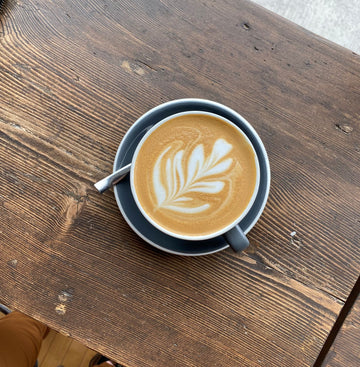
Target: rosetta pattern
195 174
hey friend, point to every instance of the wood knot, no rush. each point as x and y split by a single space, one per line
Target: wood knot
64 297
73 206
137 66
295 240
13 263
60 309
346 129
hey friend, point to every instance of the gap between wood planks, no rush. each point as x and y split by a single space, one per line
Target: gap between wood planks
338 323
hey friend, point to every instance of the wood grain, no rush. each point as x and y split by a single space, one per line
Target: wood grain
345 349
74 77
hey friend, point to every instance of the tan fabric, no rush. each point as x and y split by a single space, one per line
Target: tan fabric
20 340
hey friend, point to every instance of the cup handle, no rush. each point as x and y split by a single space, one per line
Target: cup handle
236 239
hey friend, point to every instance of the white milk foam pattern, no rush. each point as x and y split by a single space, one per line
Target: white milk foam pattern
199 174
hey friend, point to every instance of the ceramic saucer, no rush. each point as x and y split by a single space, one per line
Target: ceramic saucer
126 201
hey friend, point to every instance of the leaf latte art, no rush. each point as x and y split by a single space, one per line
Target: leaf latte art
194 174
198 174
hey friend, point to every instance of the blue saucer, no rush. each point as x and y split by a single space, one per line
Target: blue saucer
126 201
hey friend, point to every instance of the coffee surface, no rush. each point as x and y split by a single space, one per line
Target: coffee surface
195 174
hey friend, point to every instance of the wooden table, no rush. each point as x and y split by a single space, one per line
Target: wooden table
75 75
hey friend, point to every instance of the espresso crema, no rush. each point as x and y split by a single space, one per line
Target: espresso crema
194 175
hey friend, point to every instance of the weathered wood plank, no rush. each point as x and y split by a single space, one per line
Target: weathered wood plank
345 349
74 77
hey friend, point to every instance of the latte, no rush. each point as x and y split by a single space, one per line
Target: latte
194 175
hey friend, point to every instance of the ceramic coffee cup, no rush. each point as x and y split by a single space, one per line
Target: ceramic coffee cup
199 180
194 176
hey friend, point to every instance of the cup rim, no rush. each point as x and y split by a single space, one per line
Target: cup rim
197 237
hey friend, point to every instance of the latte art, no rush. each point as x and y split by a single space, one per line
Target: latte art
194 174
198 174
